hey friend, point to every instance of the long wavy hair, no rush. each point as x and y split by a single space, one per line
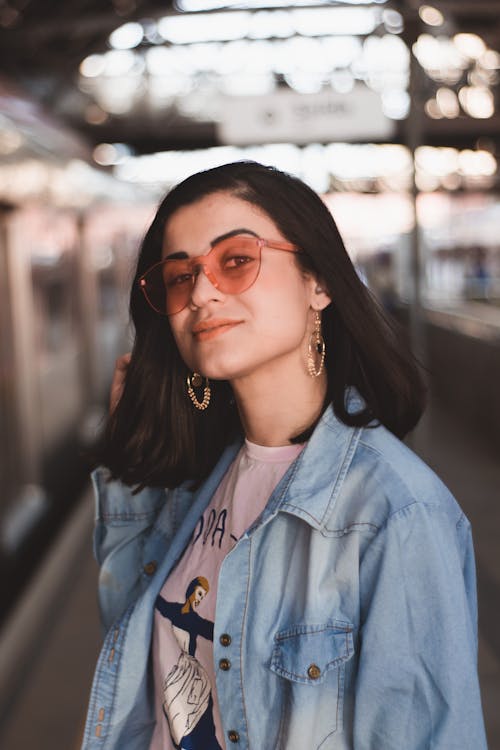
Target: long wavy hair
155 437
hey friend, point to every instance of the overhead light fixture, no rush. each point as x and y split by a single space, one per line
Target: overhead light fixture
470 45
109 154
480 163
490 60
335 20
10 139
247 84
199 6
232 25
94 115
396 104
342 81
92 66
430 15
441 58
393 21
119 62
432 110
204 28
477 101
128 36
119 95
266 24
447 102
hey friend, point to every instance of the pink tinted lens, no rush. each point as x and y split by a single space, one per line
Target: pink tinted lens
167 285
232 266
235 263
178 280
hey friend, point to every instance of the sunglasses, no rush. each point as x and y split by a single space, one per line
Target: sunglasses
231 265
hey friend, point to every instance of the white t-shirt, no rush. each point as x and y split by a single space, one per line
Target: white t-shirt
187 711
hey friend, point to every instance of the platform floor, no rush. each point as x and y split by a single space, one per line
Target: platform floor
46 710
470 466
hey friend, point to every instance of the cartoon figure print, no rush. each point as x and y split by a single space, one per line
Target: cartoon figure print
187 698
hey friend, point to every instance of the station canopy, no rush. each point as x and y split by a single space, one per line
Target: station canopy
313 80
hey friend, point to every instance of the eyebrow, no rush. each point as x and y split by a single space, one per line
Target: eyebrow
181 254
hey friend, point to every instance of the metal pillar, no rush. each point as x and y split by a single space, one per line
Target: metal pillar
413 138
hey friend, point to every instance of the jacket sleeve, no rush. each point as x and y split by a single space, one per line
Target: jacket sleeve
417 685
123 522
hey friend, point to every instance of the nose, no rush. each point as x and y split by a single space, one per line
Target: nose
205 288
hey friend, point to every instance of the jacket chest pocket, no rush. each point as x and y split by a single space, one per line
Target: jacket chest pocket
310 659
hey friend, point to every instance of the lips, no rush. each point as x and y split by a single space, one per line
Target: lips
210 325
207 329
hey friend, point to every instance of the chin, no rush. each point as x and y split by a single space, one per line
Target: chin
222 370
219 374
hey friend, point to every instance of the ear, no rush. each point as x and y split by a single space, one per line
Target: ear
319 297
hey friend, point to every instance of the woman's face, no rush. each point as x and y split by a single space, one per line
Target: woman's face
197 596
269 322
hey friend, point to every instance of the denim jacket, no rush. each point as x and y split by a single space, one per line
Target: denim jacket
350 605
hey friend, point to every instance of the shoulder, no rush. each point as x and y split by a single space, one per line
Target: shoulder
386 480
117 501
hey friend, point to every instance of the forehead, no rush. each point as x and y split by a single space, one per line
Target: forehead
194 227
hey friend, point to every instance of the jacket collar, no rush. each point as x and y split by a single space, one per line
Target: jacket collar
310 486
312 483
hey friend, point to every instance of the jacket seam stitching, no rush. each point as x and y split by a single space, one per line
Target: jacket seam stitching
342 473
340 700
337 482
380 454
309 681
322 629
389 464
128 516
352 527
123 623
244 628
414 500
398 514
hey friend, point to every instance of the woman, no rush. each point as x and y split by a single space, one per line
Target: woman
269 393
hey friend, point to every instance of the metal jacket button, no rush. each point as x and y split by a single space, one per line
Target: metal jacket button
233 735
225 639
314 671
150 567
225 664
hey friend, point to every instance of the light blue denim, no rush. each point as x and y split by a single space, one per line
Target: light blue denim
350 602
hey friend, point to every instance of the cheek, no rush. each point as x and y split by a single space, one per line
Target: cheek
178 323
282 309
282 281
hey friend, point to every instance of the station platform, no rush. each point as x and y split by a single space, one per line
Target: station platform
45 680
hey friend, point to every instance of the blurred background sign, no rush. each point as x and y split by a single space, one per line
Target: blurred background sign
304 118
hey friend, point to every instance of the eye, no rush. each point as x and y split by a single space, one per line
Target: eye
183 278
235 261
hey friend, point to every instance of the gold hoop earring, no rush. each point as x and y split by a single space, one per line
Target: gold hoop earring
317 348
196 380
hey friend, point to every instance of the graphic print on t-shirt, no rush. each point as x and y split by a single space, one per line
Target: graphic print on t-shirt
187 705
187 698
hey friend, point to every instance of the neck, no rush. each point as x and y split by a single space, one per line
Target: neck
275 407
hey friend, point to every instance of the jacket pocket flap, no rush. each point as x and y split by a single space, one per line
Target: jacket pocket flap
305 653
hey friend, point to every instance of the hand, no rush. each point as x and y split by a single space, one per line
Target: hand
118 382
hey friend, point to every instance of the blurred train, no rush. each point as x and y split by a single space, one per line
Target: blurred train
68 237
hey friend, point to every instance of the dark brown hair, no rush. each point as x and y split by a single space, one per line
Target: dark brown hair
155 437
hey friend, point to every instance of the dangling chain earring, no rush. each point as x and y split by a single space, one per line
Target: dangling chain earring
196 380
317 348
